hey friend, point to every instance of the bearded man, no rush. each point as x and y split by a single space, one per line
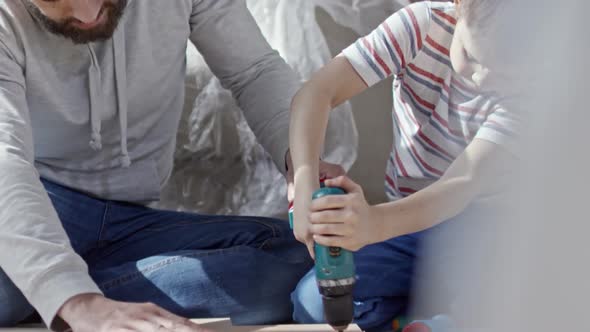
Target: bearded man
91 93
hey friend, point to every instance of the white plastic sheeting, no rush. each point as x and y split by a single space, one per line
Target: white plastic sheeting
219 166
360 15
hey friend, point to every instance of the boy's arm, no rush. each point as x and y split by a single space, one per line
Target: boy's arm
483 168
331 86
384 52
349 222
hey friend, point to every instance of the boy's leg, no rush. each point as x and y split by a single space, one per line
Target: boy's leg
382 289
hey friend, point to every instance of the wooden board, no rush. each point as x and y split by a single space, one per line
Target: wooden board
224 325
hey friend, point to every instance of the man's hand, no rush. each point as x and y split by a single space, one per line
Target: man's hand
345 221
95 313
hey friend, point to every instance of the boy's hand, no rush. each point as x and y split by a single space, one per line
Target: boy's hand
327 170
345 221
301 225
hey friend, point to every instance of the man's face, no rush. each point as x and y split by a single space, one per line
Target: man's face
82 21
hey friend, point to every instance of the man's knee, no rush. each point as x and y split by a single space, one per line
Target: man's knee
14 308
307 301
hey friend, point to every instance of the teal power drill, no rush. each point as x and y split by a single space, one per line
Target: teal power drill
335 274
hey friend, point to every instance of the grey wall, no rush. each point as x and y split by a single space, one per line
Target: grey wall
372 113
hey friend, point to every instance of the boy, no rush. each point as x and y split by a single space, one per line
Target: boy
453 141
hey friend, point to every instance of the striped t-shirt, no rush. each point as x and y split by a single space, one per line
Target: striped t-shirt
436 112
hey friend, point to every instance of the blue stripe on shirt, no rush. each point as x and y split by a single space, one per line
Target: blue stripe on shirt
443 25
437 57
369 60
392 55
410 31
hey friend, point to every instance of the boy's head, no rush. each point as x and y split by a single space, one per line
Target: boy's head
470 53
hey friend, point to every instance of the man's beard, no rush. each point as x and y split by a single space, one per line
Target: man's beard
67 29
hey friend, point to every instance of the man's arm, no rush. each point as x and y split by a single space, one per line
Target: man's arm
34 249
233 46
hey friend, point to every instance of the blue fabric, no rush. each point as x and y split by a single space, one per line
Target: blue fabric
384 277
193 265
421 275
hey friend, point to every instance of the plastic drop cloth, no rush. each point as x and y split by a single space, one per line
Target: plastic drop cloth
362 16
219 166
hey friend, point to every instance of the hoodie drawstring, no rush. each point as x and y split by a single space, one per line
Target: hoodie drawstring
121 84
94 79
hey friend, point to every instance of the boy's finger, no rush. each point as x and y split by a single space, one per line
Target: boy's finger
290 192
329 203
311 249
329 241
345 183
328 229
327 217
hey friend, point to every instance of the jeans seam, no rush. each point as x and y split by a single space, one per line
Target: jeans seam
103 222
273 229
157 266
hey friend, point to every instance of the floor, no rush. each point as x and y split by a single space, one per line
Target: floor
224 325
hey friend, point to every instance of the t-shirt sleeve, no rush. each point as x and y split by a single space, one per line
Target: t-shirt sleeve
388 49
502 127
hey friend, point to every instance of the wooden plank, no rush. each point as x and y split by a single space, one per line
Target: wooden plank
224 325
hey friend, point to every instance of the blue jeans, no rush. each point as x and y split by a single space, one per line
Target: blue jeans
421 274
193 265
382 289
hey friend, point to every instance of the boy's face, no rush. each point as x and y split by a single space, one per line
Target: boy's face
469 57
82 21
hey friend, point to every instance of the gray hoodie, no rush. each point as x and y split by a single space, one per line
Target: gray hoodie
102 118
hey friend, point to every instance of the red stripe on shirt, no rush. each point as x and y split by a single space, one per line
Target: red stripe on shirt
434 145
446 17
390 181
377 57
464 109
407 109
416 27
398 49
438 46
399 163
431 76
415 152
407 190
432 108
446 125
426 73
420 100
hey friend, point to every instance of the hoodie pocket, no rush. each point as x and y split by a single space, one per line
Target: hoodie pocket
139 183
